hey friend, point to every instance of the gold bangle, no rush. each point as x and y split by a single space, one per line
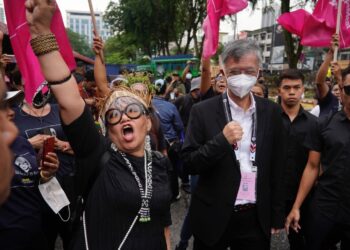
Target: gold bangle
44 178
44 44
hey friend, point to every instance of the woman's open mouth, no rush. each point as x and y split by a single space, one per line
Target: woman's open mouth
128 132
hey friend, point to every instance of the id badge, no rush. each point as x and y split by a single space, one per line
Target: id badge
247 187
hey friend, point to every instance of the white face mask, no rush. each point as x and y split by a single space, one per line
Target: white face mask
189 76
240 85
54 196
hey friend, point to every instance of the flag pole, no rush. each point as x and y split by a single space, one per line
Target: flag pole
92 12
335 55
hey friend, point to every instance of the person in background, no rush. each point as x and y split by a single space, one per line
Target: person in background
327 101
298 124
21 217
258 90
238 201
36 125
207 90
329 219
185 103
173 129
261 80
8 133
187 76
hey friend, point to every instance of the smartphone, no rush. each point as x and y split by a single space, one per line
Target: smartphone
13 58
49 146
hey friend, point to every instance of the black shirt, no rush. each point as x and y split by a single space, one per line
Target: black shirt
297 153
332 140
20 215
50 124
114 198
184 105
329 104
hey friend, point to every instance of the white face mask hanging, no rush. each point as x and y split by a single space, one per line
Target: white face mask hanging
55 197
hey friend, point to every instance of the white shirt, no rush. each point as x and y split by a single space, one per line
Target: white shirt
244 118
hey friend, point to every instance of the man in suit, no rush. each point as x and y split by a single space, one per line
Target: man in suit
235 143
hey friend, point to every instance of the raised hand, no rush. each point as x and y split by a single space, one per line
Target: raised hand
49 166
39 15
98 44
334 42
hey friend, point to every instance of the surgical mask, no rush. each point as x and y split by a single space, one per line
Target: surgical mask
240 85
189 76
54 196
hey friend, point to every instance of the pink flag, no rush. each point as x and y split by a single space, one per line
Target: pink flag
211 24
316 29
20 41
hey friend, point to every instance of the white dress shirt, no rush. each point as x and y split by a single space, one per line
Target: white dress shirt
244 118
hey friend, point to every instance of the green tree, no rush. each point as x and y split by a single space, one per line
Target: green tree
79 43
156 23
293 47
121 49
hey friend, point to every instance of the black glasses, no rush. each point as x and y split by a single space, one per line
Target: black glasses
346 89
41 96
132 110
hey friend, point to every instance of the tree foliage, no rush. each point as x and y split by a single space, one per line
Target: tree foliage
155 25
121 49
79 43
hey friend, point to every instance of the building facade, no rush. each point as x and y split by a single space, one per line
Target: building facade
81 23
2 13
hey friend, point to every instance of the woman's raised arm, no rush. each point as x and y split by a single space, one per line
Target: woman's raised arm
39 14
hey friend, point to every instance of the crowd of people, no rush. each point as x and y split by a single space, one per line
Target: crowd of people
254 168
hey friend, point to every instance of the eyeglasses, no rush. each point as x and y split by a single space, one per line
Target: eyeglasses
132 110
346 89
40 97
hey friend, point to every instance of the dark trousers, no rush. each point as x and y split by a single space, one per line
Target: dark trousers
54 226
242 233
186 230
323 232
174 148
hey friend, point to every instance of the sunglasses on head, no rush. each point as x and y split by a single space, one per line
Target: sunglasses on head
133 111
346 89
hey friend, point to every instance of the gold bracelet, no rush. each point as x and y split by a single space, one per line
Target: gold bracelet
44 44
44 178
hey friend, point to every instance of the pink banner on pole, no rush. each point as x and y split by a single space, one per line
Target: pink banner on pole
316 29
20 41
211 25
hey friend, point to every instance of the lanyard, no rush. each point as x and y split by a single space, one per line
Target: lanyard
254 130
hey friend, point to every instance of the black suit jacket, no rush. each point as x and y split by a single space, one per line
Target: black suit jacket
207 153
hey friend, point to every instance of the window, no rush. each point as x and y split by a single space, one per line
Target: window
268 47
256 37
269 36
263 36
267 59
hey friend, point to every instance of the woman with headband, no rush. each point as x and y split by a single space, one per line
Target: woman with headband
127 203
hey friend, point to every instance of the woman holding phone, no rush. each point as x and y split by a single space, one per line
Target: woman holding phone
127 203
21 215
